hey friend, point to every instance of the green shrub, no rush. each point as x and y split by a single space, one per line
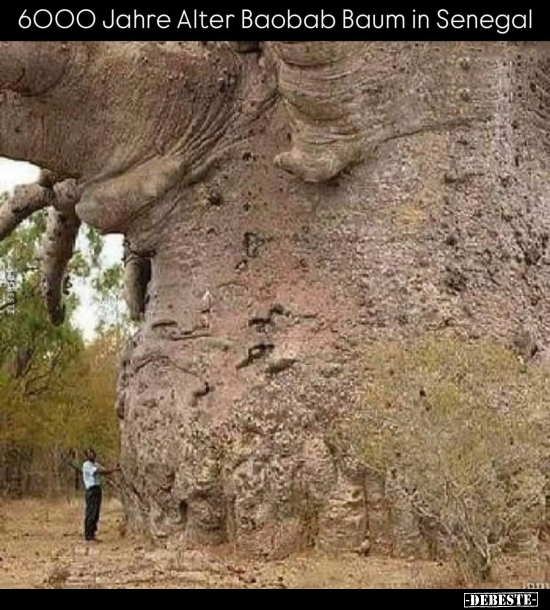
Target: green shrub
464 427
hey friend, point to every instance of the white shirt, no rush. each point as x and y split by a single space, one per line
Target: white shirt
90 474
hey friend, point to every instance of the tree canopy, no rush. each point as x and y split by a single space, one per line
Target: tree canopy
57 391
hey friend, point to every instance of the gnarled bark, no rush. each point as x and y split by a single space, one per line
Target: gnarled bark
321 84
265 291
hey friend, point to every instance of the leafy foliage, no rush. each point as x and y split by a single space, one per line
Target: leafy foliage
56 391
464 428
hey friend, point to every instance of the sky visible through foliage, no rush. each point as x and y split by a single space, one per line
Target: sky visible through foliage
87 315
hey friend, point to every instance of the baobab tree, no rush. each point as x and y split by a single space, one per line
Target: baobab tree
286 206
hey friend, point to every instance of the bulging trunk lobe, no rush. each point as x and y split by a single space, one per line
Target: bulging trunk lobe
266 291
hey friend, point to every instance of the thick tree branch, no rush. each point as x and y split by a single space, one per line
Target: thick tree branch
137 275
25 201
58 247
320 83
61 231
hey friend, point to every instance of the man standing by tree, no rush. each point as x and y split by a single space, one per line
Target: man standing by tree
91 473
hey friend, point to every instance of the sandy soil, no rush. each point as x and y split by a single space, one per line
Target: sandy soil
41 547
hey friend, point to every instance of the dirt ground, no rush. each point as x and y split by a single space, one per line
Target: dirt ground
41 547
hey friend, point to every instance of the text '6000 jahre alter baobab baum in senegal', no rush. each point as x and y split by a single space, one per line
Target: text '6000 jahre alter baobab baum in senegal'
110 19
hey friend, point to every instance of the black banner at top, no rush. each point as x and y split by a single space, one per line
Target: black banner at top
169 20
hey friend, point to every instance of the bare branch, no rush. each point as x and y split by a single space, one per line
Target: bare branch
45 377
6 305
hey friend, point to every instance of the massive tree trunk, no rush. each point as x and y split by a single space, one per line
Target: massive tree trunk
409 196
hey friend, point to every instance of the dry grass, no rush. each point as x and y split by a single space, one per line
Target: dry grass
41 547
36 533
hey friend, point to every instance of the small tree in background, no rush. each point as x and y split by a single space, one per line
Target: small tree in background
56 392
464 427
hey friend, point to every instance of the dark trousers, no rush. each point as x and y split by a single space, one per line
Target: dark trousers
93 507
